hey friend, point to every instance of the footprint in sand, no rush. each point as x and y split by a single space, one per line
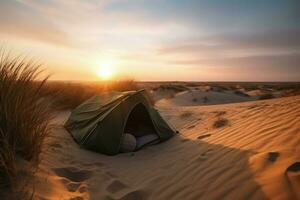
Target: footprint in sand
294 168
272 156
82 189
120 191
73 174
71 186
293 174
72 178
203 136
116 186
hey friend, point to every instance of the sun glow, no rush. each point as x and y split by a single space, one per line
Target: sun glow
105 70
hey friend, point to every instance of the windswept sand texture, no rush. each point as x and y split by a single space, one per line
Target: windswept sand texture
254 154
198 97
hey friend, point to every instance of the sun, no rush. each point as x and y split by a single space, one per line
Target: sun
105 70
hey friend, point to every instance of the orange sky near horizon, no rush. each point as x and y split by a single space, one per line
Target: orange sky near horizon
155 40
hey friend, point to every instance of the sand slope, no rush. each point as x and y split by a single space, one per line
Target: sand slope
256 155
198 97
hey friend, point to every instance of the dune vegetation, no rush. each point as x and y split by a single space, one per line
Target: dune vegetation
24 119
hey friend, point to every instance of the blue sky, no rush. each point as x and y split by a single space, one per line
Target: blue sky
194 40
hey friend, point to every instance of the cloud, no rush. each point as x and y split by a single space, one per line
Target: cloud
248 68
78 23
284 40
276 61
20 21
274 51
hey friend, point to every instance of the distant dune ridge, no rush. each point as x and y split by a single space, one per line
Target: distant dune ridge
255 155
197 97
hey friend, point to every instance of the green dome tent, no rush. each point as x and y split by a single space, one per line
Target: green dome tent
100 122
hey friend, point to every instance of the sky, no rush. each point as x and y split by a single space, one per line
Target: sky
157 40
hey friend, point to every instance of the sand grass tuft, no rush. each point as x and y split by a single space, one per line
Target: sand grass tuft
24 118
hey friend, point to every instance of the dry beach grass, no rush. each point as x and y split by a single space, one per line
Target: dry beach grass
24 118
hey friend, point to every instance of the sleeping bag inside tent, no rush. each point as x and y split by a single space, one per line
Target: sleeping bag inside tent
112 122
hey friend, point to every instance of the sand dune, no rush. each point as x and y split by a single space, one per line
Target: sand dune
254 154
198 97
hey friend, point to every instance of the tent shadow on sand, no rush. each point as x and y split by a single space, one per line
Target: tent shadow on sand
183 169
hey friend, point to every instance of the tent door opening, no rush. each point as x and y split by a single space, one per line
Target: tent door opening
139 124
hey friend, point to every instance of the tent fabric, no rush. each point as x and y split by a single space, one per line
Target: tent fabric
99 123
